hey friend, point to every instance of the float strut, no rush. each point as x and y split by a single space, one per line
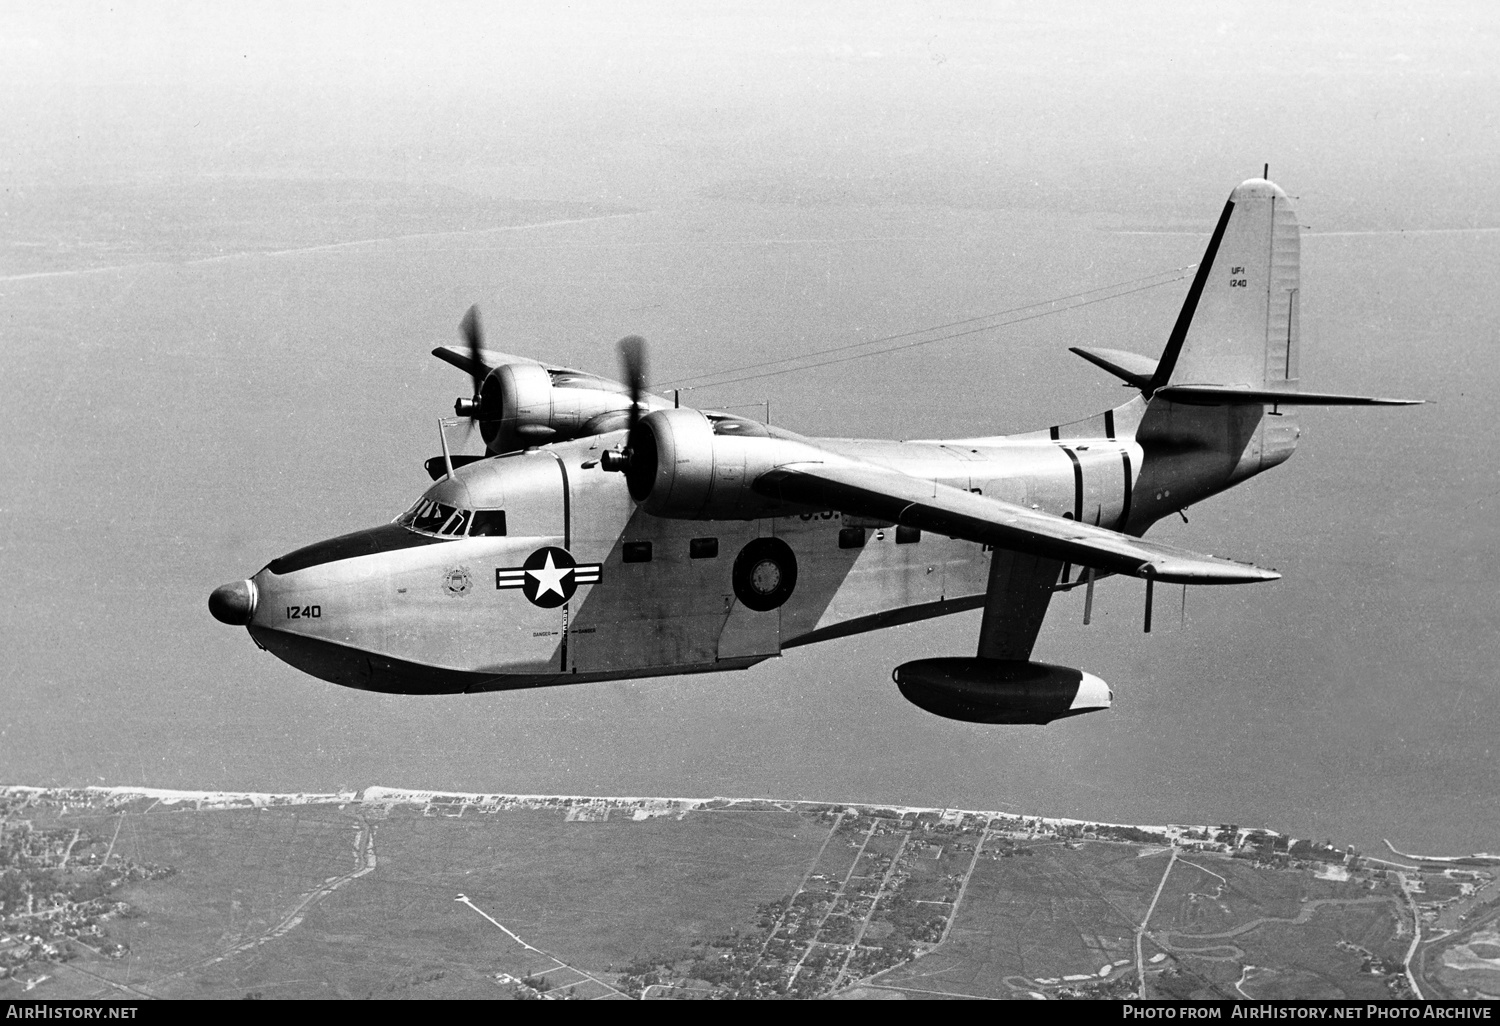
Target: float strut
1150 581
1088 598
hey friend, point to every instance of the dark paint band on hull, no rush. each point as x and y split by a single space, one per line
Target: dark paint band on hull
385 538
1077 484
370 671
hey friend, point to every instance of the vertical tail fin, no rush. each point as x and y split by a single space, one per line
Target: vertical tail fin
1239 327
1222 401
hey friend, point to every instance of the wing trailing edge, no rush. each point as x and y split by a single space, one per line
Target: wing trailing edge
865 489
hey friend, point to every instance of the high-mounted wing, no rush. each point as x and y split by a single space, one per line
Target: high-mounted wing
864 489
488 360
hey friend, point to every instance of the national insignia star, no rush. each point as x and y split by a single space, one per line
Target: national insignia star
549 578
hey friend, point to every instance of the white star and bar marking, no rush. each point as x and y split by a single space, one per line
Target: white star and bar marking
549 577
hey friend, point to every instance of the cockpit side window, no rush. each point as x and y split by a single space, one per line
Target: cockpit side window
457 524
488 522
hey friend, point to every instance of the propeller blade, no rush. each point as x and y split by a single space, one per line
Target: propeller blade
473 333
633 360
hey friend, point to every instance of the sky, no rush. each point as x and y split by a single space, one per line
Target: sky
232 235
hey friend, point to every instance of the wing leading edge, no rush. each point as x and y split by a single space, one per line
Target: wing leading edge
865 489
489 359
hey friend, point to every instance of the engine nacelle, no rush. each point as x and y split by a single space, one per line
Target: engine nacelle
526 404
688 466
1000 691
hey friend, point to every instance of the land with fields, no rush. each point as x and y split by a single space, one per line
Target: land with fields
133 893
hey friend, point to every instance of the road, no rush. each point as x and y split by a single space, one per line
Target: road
464 900
1140 931
1416 934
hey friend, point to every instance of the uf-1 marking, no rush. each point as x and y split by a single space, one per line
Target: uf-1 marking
630 538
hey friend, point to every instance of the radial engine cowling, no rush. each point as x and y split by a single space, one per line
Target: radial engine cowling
1000 691
689 466
526 404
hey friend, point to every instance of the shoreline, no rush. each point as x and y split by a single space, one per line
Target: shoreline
376 794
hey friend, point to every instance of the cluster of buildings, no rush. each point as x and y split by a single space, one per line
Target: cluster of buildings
54 890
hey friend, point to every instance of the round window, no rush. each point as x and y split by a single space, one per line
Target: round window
765 572
765 578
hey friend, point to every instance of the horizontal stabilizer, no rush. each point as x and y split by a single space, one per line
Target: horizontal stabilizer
1223 395
1132 368
864 489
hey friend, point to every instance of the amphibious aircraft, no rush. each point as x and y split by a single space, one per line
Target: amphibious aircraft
607 533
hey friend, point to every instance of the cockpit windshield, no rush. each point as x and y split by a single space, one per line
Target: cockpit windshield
429 516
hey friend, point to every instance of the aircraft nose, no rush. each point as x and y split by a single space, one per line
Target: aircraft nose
233 604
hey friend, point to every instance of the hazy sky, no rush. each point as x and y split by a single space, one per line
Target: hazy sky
978 104
797 176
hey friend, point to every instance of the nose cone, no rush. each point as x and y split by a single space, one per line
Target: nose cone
233 604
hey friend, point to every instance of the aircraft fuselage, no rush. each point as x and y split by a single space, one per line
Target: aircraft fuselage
585 586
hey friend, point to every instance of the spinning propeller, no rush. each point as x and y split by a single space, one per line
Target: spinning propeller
512 402
633 362
473 333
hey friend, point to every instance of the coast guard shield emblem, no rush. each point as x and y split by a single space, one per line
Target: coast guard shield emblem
456 582
549 577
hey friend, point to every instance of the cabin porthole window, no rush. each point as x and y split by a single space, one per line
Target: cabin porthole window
765 574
